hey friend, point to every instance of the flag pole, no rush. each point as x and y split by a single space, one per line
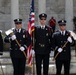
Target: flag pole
34 54
31 32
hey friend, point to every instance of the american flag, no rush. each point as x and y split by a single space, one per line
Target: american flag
31 24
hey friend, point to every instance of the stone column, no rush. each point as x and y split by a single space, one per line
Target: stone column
69 14
41 7
14 11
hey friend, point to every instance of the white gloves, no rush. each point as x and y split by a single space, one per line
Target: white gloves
33 52
69 39
13 37
22 48
60 50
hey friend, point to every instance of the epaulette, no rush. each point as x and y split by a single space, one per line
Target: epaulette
0 31
57 32
13 29
68 32
37 27
49 28
23 30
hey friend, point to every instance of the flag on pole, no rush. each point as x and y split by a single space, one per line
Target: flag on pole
31 24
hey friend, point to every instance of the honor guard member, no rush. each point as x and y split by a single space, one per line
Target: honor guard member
43 35
16 53
59 39
1 43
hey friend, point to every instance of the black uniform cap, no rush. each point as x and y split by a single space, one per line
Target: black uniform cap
42 15
62 22
18 21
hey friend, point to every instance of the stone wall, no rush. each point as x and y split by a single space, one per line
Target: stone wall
24 10
54 8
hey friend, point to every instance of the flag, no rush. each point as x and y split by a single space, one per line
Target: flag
31 24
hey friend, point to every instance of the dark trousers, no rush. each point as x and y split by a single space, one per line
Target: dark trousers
59 64
42 59
19 66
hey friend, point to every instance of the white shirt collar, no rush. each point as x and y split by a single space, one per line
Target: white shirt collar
62 32
43 26
18 30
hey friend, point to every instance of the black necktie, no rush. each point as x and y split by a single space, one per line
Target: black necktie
42 27
17 30
63 33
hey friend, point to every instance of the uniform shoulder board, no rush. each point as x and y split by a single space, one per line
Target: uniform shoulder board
13 29
68 32
0 31
57 32
37 27
23 30
49 28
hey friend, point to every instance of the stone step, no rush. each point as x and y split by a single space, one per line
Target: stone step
5 58
7 54
8 68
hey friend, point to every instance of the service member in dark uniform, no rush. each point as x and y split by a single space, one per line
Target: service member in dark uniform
43 35
1 44
16 53
59 39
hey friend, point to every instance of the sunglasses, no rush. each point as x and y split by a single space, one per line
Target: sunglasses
42 19
18 23
62 25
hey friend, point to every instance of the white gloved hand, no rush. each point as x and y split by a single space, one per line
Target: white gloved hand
69 39
22 48
33 52
13 37
60 50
